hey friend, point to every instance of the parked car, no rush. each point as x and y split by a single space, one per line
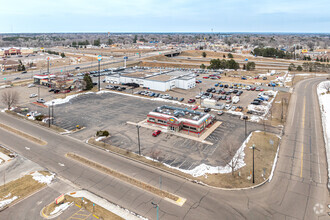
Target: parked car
207 110
255 103
24 72
41 100
191 100
205 77
181 99
227 106
31 85
156 133
264 78
33 95
17 78
194 107
220 113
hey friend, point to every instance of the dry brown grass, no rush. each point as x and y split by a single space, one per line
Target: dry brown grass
22 134
53 127
6 151
264 158
277 116
87 205
123 177
21 187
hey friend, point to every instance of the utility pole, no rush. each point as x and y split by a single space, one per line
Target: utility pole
200 94
245 127
48 69
282 110
138 132
157 207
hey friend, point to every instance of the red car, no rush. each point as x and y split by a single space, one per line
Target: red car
156 133
191 100
195 107
205 77
261 90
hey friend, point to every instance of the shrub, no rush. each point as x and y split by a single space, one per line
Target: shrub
102 133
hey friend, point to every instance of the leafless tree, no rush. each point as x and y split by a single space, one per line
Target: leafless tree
236 156
326 86
10 98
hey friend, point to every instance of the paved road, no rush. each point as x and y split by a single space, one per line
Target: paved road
297 191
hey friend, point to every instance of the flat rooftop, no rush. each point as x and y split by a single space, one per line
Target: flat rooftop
180 112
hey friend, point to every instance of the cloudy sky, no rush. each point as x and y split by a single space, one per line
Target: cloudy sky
164 16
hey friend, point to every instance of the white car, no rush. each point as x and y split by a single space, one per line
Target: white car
31 85
41 100
33 95
228 106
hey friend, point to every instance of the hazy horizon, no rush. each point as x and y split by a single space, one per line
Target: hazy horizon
172 16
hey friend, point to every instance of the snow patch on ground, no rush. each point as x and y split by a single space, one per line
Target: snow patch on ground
324 101
264 108
204 169
100 138
3 203
61 208
124 213
41 178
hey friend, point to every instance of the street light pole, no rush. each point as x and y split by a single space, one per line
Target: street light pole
157 207
99 58
138 132
253 148
200 99
48 116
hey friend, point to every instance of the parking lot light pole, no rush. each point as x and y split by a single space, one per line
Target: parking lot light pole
48 116
52 112
253 148
99 58
138 132
157 207
245 128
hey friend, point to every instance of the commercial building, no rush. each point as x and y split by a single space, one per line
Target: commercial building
17 51
154 79
9 65
177 119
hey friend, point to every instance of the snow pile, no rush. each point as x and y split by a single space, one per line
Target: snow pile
100 138
3 203
61 208
116 209
235 113
41 178
62 101
203 169
325 114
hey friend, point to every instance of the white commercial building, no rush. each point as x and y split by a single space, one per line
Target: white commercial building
154 79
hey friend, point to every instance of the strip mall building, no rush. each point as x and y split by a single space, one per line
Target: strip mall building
177 119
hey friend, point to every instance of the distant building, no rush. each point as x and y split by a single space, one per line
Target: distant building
9 65
177 119
154 79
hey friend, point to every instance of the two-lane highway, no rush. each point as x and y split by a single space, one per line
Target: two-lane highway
297 191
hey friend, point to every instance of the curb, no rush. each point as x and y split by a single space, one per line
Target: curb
174 174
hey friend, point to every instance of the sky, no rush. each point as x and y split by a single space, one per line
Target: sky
45 16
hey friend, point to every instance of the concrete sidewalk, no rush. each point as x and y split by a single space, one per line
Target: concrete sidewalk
164 129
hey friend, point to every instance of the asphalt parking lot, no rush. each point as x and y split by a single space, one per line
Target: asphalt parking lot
109 111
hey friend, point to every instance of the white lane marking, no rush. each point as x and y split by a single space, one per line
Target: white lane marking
38 203
61 164
317 149
27 148
294 101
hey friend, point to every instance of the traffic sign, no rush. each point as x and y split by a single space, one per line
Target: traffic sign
125 58
48 58
99 57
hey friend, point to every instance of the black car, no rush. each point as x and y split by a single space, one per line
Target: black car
235 91
207 110
51 90
209 90
255 103
24 72
226 86
181 99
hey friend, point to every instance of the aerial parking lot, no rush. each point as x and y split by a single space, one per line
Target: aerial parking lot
111 112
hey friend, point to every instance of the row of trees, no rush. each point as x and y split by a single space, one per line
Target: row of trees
272 52
21 66
224 56
222 64
55 53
